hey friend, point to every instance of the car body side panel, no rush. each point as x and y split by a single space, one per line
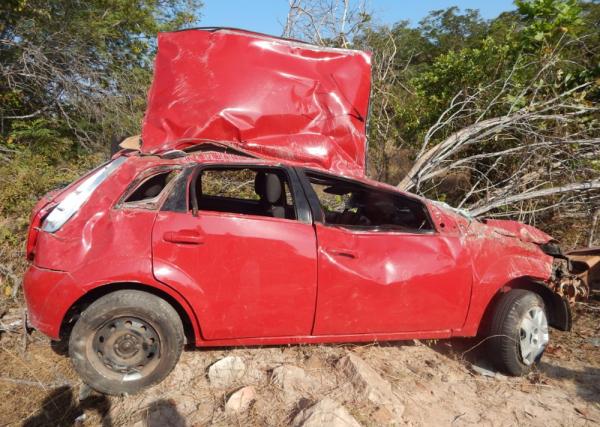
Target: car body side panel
249 276
48 294
499 261
99 245
113 248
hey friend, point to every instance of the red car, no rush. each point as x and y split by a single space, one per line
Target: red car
243 217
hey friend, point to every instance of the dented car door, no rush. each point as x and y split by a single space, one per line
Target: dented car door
383 266
373 282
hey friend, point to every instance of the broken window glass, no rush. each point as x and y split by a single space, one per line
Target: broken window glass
355 205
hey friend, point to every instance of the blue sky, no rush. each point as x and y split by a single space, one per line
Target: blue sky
267 16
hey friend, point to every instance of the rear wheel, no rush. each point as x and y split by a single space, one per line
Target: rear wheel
126 341
518 334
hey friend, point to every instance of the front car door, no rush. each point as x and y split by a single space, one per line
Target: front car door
383 268
248 265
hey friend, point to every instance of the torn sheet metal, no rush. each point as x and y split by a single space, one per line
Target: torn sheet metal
276 98
585 264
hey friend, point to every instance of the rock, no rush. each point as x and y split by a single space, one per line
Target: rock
240 401
482 370
226 371
293 380
314 363
327 412
369 383
381 417
595 341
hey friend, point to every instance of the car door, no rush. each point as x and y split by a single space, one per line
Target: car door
383 278
245 273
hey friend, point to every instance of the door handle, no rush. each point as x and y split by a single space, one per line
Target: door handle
347 253
187 237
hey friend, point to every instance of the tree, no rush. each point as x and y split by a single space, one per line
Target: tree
528 131
80 67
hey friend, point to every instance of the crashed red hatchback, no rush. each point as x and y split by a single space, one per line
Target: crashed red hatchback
242 216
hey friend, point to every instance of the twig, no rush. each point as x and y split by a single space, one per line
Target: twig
34 383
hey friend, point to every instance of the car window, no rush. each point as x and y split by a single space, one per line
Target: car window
354 205
148 191
246 191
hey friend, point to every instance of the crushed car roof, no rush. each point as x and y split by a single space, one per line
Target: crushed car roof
272 97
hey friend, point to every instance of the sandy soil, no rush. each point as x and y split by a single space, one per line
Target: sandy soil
438 382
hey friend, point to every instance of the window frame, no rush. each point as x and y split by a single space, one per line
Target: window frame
143 177
318 214
300 204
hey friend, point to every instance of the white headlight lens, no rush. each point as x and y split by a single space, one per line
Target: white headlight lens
77 197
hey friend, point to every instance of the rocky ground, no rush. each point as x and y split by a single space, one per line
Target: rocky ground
405 383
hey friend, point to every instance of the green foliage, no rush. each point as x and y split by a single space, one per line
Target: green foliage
547 20
41 160
447 29
459 70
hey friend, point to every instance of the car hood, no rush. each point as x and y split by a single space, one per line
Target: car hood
271 97
524 232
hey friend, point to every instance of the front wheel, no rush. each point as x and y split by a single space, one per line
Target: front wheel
518 333
125 341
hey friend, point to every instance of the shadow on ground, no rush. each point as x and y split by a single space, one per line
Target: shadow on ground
586 380
62 408
472 352
163 413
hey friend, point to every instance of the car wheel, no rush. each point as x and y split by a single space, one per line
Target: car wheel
518 333
125 341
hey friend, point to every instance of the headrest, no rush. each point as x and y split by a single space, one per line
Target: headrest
268 187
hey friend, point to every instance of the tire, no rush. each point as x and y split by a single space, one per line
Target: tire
518 332
126 341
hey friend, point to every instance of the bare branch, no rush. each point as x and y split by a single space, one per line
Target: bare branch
584 186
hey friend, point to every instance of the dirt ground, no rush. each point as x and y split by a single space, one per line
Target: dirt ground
440 383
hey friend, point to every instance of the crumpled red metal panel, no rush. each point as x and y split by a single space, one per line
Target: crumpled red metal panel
524 232
276 98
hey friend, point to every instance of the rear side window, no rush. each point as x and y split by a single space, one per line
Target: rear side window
147 193
245 191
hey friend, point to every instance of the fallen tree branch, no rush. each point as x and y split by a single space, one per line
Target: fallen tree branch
583 186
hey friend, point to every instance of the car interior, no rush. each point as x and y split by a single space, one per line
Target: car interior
147 193
260 191
353 205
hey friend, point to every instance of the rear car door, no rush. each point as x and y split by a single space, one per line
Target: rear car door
383 268
243 250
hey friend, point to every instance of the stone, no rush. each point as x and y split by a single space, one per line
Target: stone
293 380
314 363
226 372
240 401
328 413
370 384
